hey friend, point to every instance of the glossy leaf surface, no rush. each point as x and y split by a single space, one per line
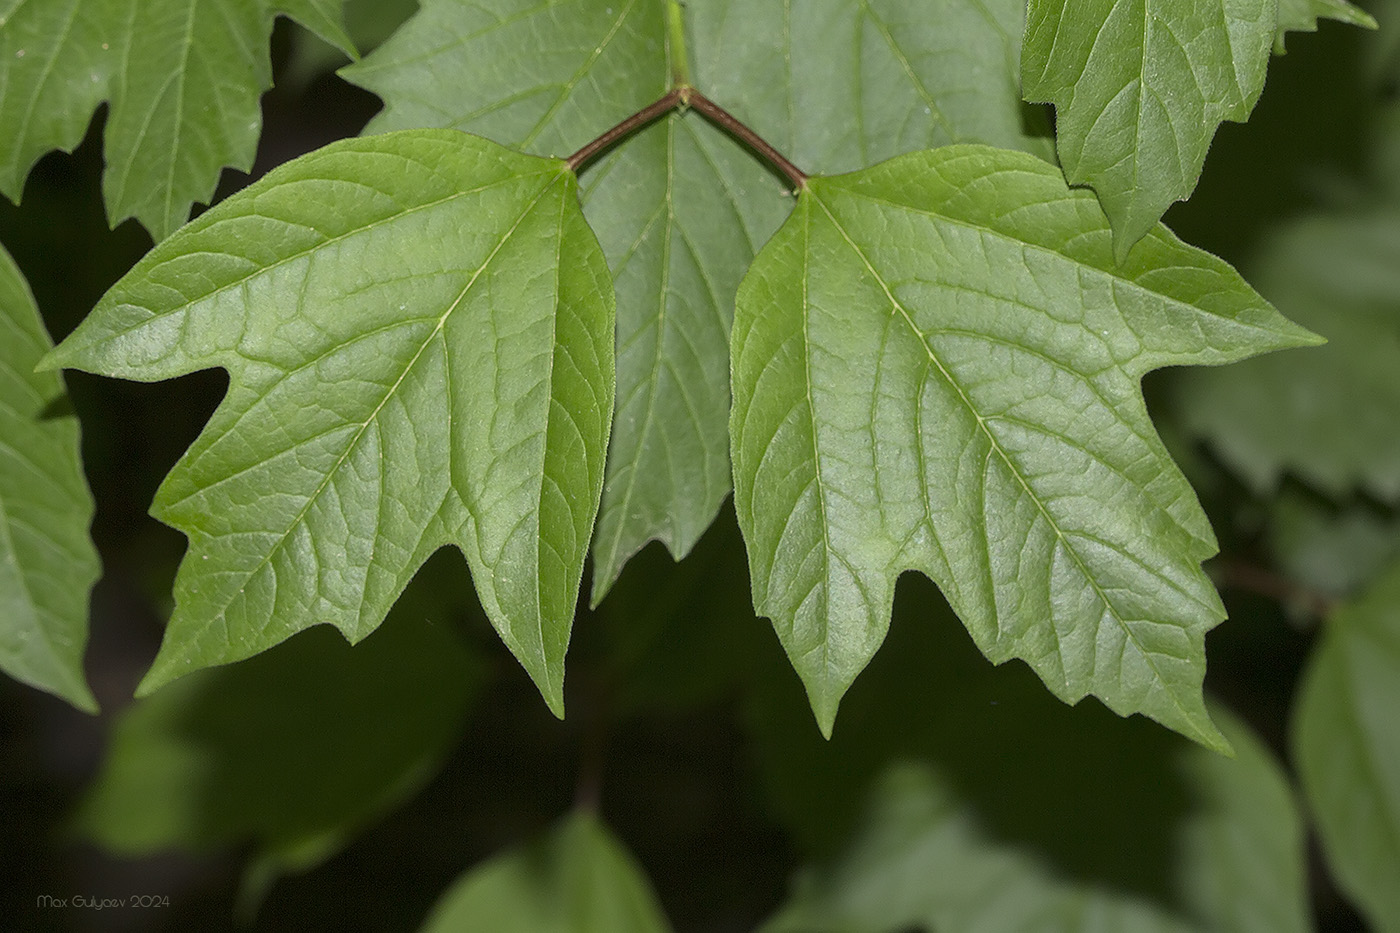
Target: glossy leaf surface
418 332
936 368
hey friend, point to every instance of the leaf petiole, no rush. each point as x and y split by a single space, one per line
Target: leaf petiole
683 97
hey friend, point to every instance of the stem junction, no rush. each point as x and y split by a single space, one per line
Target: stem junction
683 97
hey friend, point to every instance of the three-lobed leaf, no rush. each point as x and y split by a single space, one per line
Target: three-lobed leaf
1347 747
182 78
936 367
418 329
47 561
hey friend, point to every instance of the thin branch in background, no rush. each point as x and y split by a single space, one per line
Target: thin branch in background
1251 578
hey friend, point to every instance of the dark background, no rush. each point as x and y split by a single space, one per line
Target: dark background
669 737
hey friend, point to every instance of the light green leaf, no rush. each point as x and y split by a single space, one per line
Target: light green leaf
47 561
1331 415
680 210
925 859
936 367
339 734
1139 87
182 77
1346 742
578 879
1302 16
418 332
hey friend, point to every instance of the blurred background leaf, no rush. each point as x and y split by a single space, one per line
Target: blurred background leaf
1346 742
293 751
577 879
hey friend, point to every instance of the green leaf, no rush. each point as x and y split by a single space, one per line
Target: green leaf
936 367
47 561
1302 16
368 23
1347 746
1331 415
681 210
925 859
418 329
340 734
182 77
1139 87
578 879
838 85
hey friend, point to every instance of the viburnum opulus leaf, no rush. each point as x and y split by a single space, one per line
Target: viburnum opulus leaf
418 330
936 367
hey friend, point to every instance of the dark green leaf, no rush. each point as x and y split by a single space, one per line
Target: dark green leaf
182 77
961 796
47 561
418 329
936 368
925 859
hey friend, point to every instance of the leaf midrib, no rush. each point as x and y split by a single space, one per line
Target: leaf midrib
1043 250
